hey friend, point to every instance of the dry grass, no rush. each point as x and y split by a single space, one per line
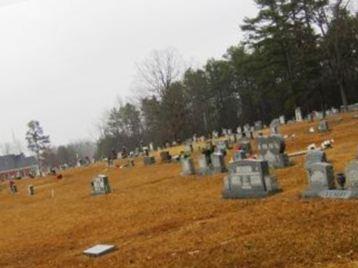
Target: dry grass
157 218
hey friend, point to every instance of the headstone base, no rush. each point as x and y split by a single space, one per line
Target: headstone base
331 194
239 193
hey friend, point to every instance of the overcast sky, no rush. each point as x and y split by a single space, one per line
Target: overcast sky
64 62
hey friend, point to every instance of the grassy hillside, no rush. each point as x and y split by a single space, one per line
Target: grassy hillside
158 218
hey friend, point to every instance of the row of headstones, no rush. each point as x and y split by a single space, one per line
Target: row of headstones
351 108
322 126
164 156
30 189
208 165
251 178
271 149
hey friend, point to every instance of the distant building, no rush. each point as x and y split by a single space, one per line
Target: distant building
17 166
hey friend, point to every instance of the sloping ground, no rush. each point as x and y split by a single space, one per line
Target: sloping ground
158 218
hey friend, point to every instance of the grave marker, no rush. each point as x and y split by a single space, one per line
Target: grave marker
204 165
99 250
249 179
187 165
298 114
274 126
321 178
31 190
258 125
272 149
351 173
315 156
282 120
323 126
100 185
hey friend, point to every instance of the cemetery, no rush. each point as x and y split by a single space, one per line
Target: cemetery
237 210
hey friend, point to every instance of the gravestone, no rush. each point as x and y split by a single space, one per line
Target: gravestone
334 110
272 149
351 173
319 115
187 165
298 114
321 178
309 118
151 146
13 187
239 133
100 185
282 120
224 131
322 184
323 126
99 250
31 190
218 162
258 125
249 179
315 156
274 126
165 157
204 165
149 160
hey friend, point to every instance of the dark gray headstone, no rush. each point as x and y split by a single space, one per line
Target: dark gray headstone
272 149
249 179
321 178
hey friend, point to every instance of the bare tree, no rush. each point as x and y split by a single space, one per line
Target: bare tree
157 72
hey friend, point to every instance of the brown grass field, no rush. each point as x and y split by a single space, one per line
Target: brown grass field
157 218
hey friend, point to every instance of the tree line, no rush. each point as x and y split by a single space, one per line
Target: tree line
295 53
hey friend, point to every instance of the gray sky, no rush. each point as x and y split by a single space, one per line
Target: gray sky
64 62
